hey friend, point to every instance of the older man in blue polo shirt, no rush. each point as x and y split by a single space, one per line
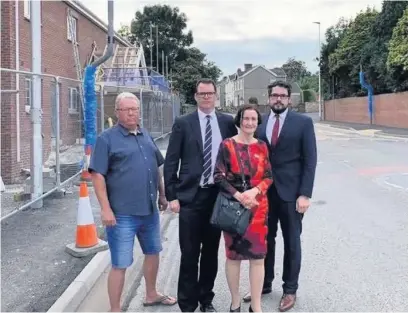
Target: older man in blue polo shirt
127 180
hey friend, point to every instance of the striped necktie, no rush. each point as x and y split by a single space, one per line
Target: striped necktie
207 151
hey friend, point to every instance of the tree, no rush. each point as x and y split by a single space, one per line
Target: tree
295 70
397 61
334 35
125 32
310 82
187 64
171 26
193 67
346 60
375 52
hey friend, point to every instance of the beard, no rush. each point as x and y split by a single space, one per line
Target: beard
278 107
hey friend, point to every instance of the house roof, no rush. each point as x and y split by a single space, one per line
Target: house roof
255 67
278 71
79 7
240 73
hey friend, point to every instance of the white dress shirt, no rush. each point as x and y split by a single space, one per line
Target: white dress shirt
271 122
216 139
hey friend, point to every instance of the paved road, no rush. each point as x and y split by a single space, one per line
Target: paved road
355 240
34 266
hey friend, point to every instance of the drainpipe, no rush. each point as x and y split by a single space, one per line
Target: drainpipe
109 50
17 30
90 120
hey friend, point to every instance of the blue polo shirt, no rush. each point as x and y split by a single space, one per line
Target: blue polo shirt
130 164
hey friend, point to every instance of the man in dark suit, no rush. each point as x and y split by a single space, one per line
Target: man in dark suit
292 149
190 190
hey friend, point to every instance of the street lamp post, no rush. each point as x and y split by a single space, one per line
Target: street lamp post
151 46
320 74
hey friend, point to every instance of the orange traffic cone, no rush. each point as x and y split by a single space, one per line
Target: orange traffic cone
86 235
86 239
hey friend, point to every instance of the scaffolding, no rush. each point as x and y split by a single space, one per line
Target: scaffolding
127 71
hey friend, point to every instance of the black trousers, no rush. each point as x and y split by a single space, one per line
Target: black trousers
196 236
291 226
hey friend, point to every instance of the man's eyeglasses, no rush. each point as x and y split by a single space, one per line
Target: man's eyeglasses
275 95
133 110
205 94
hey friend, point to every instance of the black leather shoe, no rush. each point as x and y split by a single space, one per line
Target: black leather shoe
250 309
238 309
207 308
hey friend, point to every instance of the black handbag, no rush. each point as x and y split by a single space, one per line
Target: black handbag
229 214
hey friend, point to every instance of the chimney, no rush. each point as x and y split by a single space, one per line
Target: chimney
247 66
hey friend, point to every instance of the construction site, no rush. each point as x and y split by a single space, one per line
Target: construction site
59 110
59 82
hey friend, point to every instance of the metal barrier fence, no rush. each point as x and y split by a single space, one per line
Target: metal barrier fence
62 127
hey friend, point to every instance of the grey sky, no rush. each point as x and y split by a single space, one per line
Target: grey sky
259 32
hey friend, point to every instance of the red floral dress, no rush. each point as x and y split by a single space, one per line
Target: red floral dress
258 173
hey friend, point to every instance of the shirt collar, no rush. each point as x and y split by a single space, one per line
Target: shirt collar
126 132
203 115
282 115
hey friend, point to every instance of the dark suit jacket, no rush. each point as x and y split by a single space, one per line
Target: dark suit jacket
185 149
294 157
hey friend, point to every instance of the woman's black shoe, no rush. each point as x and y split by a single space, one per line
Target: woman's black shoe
250 309
238 309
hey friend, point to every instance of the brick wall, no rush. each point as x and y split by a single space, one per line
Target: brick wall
57 59
388 110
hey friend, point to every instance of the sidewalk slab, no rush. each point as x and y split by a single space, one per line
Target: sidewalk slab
381 130
88 291
96 299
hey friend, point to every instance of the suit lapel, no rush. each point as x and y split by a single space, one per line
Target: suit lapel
264 135
285 127
195 125
222 125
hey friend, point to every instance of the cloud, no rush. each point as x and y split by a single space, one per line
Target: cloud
268 51
234 32
230 20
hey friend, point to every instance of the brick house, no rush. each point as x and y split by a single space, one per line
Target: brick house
57 59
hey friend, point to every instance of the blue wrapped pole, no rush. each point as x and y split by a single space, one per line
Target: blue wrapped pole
369 88
90 107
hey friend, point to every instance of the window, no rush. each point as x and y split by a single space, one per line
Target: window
71 21
73 100
28 99
27 9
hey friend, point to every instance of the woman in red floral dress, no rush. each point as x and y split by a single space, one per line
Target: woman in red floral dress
252 246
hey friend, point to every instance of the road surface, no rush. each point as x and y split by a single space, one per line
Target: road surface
35 268
355 239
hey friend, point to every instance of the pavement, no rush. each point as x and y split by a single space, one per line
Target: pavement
384 130
355 243
35 268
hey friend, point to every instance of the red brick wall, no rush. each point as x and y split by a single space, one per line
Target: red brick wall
57 59
388 110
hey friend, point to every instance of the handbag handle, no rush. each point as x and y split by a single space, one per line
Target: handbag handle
244 183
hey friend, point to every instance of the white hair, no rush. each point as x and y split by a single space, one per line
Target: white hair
125 95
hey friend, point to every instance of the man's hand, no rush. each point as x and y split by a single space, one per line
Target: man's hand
174 206
302 204
163 204
108 218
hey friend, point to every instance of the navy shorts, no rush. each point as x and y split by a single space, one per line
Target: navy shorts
121 237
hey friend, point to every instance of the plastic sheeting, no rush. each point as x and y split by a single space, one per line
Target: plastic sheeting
90 106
